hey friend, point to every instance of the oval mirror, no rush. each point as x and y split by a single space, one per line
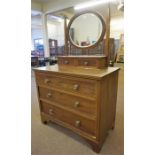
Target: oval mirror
86 29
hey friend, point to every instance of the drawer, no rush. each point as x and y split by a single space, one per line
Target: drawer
83 61
87 62
76 86
76 121
66 61
69 101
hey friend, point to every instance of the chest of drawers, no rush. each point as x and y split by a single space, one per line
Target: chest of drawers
82 100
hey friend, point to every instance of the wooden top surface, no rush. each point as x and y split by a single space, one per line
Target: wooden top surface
91 73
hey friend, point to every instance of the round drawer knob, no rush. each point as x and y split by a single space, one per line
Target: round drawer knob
46 81
49 95
76 104
86 63
76 87
66 62
77 123
50 111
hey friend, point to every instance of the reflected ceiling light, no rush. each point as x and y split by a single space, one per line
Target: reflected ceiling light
91 4
121 6
59 19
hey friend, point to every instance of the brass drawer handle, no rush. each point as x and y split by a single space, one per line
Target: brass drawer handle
51 111
66 62
77 123
46 81
76 87
76 104
94 137
86 63
49 95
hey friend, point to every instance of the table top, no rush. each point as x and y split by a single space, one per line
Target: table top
91 73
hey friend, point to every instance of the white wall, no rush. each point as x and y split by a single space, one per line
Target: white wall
36 29
116 27
36 21
56 31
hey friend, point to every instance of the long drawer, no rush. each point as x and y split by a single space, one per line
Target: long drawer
69 101
73 85
76 121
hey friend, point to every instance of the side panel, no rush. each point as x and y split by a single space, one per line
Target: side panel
108 103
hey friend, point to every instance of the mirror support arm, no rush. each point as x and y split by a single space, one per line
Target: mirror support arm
107 41
66 37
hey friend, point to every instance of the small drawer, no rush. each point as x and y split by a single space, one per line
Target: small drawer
76 121
76 86
68 101
66 61
87 62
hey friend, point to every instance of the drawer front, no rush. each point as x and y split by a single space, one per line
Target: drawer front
82 87
66 61
76 121
87 62
68 101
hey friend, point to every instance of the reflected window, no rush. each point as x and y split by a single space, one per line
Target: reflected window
38 42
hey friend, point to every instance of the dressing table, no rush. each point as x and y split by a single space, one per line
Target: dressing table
80 92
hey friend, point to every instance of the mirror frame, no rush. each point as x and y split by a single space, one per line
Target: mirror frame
101 36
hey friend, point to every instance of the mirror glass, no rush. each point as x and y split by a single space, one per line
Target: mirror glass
85 30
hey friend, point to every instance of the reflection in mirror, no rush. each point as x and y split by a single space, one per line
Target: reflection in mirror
85 30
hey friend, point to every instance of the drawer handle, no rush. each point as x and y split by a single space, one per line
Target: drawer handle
51 111
78 123
49 95
46 81
76 87
76 104
66 62
86 63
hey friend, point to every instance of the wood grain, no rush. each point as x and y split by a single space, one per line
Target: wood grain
70 101
85 125
96 96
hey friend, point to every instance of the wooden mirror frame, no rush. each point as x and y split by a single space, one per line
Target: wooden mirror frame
101 36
